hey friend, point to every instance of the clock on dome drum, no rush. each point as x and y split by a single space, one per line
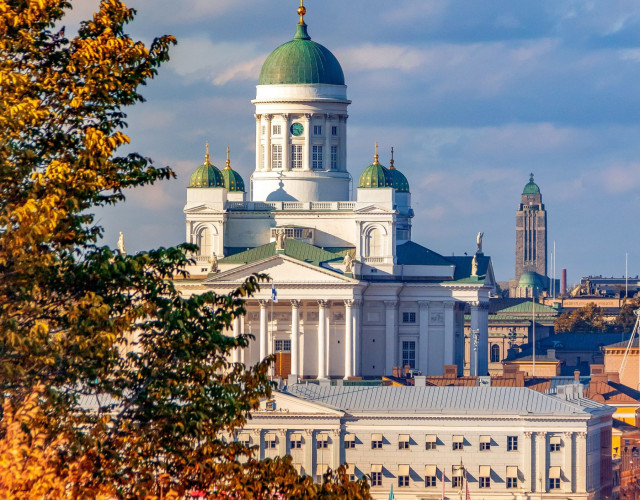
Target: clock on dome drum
297 129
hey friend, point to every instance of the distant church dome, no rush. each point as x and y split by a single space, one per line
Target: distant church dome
531 187
400 182
207 175
232 179
530 279
376 175
301 62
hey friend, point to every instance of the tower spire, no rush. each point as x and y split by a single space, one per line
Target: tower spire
392 163
302 11
376 158
228 167
207 157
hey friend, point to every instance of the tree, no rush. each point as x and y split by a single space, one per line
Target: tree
589 318
120 386
626 319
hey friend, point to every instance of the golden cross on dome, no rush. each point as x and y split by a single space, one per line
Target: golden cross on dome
207 158
228 167
392 163
376 157
302 11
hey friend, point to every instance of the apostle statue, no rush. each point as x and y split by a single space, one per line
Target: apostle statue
121 248
348 263
214 263
479 242
474 266
281 236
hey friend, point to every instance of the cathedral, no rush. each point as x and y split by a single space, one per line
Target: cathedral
351 294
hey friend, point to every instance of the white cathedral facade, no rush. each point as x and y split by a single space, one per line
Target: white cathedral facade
356 296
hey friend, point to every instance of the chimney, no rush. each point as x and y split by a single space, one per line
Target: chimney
420 381
576 375
598 375
551 353
563 282
451 371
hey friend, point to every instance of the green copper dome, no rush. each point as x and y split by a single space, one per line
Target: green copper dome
232 179
531 187
301 62
400 182
206 175
376 176
529 279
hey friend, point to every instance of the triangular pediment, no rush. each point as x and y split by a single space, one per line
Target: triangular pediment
281 269
373 209
287 404
203 209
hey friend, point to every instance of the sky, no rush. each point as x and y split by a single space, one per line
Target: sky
473 95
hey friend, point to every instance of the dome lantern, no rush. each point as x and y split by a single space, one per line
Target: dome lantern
376 175
531 188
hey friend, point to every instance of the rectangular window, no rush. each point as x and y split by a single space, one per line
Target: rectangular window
512 443
350 441
485 443
458 443
270 441
554 483
376 441
283 345
334 130
408 317
296 441
430 442
317 130
322 441
409 353
277 130
485 482
430 476
296 156
334 157
317 157
512 476
276 156
456 482
403 475
554 443
376 478
403 442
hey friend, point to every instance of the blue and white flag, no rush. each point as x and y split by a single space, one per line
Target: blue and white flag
274 294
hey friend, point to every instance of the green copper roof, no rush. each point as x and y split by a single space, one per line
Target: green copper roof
525 308
531 187
530 279
376 176
400 182
292 248
301 62
206 176
233 181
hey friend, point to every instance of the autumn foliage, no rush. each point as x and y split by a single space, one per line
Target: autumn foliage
114 385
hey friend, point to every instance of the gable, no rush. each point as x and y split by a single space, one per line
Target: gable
281 269
203 209
373 209
291 405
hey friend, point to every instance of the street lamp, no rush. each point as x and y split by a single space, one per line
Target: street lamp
475 338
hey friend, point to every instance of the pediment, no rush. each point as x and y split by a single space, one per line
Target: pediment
291 405
281 269
203 209
373 209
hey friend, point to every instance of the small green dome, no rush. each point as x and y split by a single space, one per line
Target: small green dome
376 176
531 187
301 62
400 182
529 279
206 176
232 179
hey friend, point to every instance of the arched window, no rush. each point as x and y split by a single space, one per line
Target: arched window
205 242
495 353
374 243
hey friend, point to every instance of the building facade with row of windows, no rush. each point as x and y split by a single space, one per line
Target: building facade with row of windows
500 442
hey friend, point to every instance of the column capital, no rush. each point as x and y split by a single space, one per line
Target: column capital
336 432
528 434
390 304
285 115
263 303
581 435
449 305
308 116
322 303
423 304
267 117
567 435
357 303
349 303
308 432
257 116
540 435
295 303
283 432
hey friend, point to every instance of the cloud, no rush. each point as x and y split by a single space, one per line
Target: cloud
249 70
620 179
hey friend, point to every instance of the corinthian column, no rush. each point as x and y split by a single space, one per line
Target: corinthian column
263 329
295 336
391 341
322 339
348 339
